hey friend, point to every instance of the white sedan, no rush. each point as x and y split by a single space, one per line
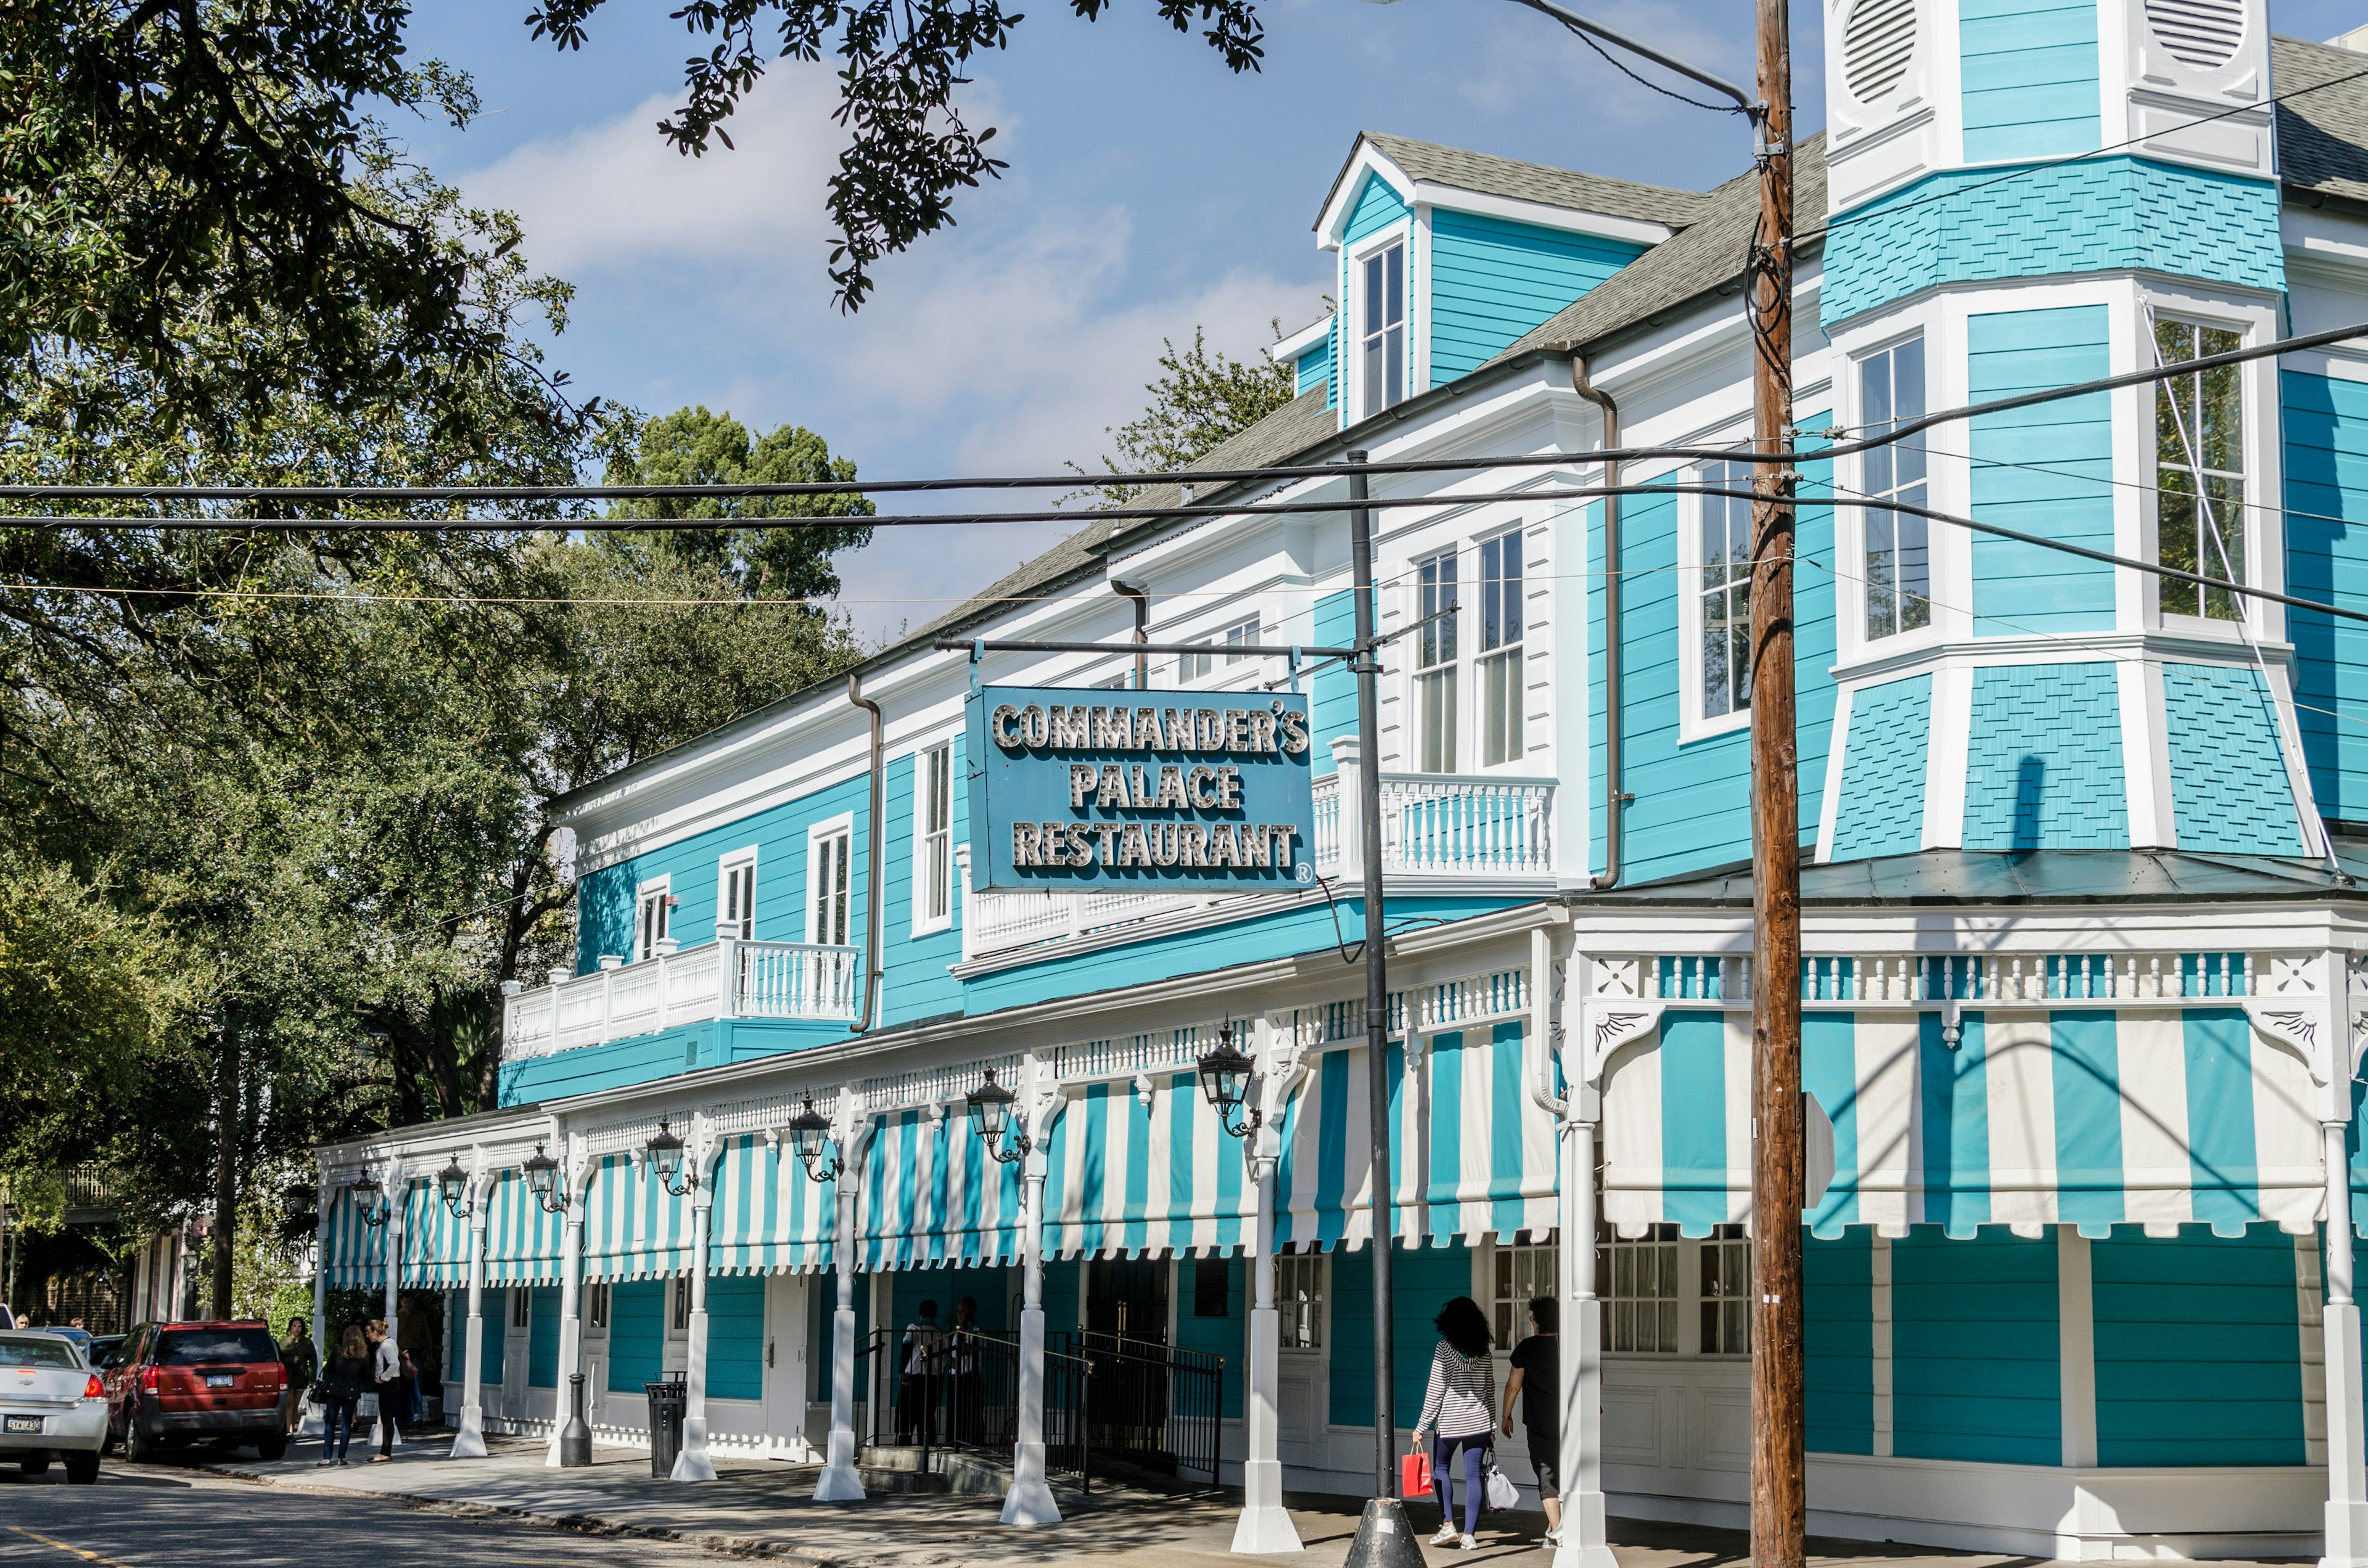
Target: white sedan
53 1406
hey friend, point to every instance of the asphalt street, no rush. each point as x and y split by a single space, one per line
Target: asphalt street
163 1515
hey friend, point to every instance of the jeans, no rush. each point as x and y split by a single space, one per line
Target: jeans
1475 1455
337 1425
390 1410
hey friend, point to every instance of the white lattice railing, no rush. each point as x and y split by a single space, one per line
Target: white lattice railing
1433 824
727 978
2055 979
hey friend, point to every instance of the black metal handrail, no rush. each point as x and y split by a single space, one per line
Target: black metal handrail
1157 1406
957 1391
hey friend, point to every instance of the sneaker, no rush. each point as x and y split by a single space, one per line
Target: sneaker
1446 1536
1554 1538
1471 1543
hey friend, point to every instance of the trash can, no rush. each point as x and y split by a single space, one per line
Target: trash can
667 1402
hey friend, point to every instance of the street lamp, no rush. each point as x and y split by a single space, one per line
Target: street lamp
367 1194
990 1113
809 1136
542 1180
665 1158
1225 1075
453 1183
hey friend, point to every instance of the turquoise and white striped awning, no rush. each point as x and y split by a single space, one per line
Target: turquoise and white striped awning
2088 1117
633 1228
932 1195
434 1240
771 1217
523 1242
353 1253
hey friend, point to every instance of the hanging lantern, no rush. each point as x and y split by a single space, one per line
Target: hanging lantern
542 1180
1225 1075
810 1136
990 1113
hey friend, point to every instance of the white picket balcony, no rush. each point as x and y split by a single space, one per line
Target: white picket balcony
1440 832
727 978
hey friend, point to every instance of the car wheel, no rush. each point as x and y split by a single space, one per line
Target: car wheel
82 1469
270 1449
137 1447
34 1465
107 1444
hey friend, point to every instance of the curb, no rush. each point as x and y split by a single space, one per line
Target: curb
583 1524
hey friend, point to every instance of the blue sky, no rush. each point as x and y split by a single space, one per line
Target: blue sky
1150 190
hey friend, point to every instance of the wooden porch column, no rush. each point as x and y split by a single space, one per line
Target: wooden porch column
1030 1501
470 1442
575 1175
838 1482
692 1463
1264 1524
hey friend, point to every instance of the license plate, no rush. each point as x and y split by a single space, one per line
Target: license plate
219 1379
24 1424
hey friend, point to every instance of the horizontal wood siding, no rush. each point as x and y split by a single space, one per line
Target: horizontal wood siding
2325 423
2029 69
1975 1368
1492 280
736 1336
2059 483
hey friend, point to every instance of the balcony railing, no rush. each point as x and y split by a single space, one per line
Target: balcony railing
727 978
1437 830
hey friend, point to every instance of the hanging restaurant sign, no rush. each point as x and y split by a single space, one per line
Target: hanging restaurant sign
1082 788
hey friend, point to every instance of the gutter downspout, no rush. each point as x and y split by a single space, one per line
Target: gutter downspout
871 872
1614 797
1142 598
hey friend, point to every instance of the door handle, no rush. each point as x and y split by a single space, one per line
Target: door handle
768 1353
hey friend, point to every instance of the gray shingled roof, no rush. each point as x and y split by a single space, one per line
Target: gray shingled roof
2319 133
1491 175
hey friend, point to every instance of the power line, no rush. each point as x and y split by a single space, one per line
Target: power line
1195 477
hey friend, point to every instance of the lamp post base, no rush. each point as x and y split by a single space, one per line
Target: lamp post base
469 1443
1029 1501
1583 1534
838 1482
1384 1538
692 1463
573 1450
1264 1524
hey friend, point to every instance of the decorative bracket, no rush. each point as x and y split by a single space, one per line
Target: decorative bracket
1142 1087
1605 1027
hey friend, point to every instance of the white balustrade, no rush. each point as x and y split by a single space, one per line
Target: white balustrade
2055 980
727 978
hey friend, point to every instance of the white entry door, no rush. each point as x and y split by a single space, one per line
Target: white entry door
787 1375
516 1334
1303 1386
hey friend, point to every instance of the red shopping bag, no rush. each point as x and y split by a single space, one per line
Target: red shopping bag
1413 1475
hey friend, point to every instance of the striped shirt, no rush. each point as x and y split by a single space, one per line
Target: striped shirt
1461 1398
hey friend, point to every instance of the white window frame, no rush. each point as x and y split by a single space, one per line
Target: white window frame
1513 653
596 1307
678 1318
1191 670
841 827
1243 632
1457 667
1691 724
661 889
521 1305
740 863
927 843
1352 320
2263 547
1287 1269
1852 635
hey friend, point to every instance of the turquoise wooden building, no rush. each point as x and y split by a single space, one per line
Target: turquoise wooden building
2087 962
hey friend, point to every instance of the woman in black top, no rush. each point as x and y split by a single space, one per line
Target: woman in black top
347 1379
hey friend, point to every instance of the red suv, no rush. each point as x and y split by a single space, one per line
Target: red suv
172 1384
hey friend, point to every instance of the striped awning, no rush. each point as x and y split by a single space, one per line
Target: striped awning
771 1217
434 1240
931 1195
523 1241
353 1252
633 1228
2088 1117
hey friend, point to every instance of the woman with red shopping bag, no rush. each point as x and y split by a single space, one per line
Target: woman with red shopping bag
1458 1409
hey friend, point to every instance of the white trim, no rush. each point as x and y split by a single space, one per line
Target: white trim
1945 756
841 825
1290 349
1541 214
662 887
1332 223
732 860
1851 644
1879 1334
1348 361
2076 1349
924 924
1691 723
2146 756
1830 809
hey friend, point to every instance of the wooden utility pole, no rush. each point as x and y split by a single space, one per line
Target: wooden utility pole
1778 1489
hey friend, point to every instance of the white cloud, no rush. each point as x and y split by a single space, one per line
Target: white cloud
617 195
1004 346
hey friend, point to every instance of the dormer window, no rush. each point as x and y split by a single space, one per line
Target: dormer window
1382 348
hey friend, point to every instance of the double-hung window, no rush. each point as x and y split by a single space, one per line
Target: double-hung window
1723 593
736 907
1244 635
1299 1300
1499 654
1523 1274
933 835
1195 666
1898 557
1434 678
653 920
1383 340
1638 1283
826 883
2198 439
1725 1295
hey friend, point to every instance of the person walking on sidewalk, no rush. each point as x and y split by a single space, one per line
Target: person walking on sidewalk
303 1365
1537 1380
386 1374
1459 1407
348 1379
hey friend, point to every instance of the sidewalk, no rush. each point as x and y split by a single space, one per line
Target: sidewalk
767 1509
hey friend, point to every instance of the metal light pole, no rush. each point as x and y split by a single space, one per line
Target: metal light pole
1377 973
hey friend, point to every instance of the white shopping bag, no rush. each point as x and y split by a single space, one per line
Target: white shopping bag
1502 1492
